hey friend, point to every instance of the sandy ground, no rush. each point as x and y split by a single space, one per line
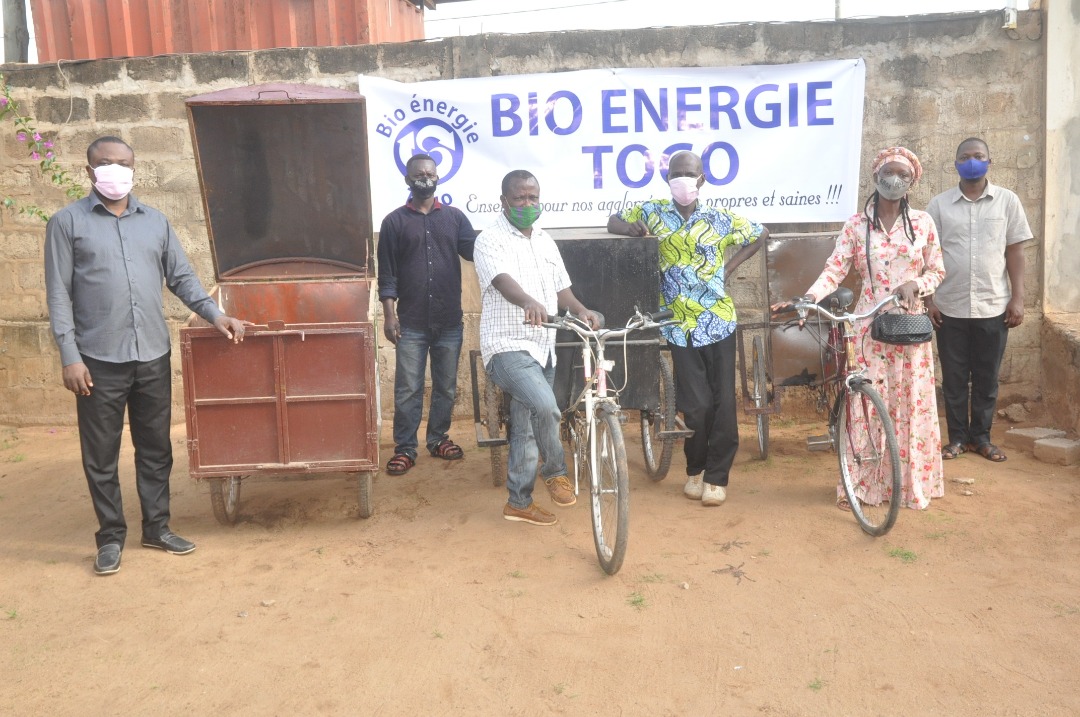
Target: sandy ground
774 604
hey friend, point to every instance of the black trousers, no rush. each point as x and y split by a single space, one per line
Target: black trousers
145 390
705 393
970 351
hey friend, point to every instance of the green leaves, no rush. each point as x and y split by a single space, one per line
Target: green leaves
41 150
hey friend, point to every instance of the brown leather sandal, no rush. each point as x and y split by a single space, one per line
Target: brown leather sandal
988 451
400 464
953 450
447 450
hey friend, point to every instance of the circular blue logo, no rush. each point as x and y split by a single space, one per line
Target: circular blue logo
432 137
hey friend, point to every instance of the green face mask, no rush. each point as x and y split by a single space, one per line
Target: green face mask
523 217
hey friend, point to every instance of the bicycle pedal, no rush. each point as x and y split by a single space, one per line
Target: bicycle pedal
819 443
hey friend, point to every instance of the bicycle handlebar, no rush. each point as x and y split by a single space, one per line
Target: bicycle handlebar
802 306
636 322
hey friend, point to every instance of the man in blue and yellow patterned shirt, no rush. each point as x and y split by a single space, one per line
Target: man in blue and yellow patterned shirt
693 239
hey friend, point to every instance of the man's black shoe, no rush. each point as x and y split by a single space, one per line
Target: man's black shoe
108 559
169 542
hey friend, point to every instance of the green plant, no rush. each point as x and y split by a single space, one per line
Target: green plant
516 574
637 601
41 151
817 684
653 578
903 554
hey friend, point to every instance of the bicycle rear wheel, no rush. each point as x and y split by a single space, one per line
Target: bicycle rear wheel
869 458
658 450
610 492
496 420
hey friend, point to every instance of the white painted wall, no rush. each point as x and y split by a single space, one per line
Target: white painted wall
1062 222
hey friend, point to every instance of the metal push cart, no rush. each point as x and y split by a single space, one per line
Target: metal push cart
613 275
780 356
284 178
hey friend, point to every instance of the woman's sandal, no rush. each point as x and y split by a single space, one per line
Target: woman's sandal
447 450
843 504
399 464
953 450
988 451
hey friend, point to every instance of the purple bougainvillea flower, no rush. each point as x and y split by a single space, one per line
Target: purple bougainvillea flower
37 137
21 136
47 145
35 155
3 101
48 155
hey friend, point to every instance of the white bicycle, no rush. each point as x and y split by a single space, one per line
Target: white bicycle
592 425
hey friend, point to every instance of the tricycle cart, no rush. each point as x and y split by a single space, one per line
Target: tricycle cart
613 275
781 356
284 177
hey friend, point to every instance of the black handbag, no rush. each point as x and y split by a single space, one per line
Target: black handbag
897 328
901 329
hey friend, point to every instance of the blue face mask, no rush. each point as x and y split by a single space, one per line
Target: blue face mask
972 168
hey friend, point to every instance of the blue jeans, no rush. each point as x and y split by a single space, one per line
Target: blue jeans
413 348
534 422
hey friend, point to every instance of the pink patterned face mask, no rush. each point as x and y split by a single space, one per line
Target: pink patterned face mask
684 190
114 181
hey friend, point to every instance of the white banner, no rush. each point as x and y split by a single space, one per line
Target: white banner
780 143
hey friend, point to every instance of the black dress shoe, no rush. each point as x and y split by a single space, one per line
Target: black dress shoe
169 542
108 559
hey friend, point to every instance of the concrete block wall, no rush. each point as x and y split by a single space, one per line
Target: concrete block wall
931 81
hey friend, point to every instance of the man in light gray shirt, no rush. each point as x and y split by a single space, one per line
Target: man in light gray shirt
982 230
107 256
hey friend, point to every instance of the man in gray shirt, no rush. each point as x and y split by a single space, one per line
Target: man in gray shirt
982 230
106 258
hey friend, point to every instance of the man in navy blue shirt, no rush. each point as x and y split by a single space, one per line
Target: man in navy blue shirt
420 291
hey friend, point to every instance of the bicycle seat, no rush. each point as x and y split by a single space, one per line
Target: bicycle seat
839 300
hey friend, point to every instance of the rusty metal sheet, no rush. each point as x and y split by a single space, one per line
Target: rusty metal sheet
297 399
92 29
269 198
793 265
612 274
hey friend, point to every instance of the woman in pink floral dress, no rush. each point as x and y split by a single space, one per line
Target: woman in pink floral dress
905 258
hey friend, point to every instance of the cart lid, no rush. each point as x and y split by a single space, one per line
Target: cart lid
283 170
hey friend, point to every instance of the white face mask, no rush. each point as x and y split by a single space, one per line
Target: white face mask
113 181
684 190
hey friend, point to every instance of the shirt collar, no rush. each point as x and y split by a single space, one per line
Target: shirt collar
133 204
436 205
509 227
670 207
955 194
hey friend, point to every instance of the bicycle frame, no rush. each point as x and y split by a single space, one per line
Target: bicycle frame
595 394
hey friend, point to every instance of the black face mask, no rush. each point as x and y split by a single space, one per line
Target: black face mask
422 188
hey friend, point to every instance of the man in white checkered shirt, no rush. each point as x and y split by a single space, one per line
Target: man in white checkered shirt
522 282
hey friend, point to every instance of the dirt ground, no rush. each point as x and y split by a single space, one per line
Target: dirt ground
774 604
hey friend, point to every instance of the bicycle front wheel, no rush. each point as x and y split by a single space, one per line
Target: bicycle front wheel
870 468
610 492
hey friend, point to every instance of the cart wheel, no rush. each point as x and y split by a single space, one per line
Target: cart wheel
658 450
495 420
225 498
364 495
760 394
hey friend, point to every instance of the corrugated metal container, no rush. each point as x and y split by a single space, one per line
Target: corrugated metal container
92 29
